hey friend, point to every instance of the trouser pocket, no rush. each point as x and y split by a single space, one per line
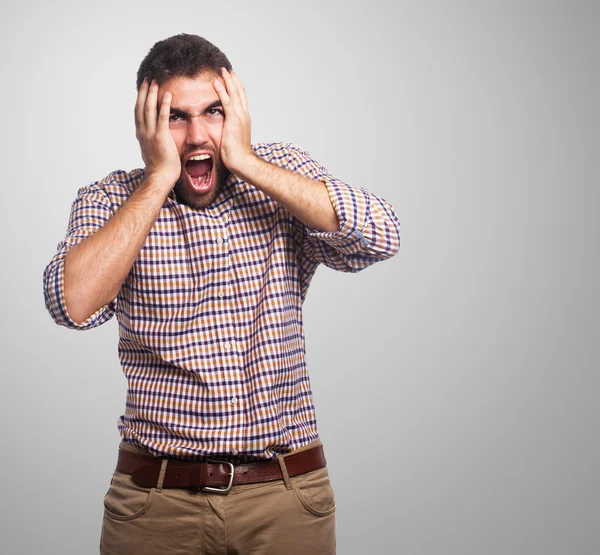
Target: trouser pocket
314 492
125 500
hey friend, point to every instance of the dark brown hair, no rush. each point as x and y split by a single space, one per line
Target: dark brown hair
181 56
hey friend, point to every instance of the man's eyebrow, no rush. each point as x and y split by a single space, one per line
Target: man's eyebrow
184 114
215 104
178 112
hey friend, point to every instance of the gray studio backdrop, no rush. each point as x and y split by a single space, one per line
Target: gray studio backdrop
462 374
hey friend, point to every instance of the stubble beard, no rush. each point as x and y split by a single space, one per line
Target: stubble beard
186 195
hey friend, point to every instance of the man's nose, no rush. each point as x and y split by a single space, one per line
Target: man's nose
197 132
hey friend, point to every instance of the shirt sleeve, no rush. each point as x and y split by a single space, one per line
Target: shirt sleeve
369 228
90 210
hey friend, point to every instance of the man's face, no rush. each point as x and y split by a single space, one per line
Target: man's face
196 125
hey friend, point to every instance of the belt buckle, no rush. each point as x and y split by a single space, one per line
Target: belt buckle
228 486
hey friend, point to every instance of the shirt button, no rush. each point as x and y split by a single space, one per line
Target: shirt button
234 400
220 240
221 293
234 451
227 346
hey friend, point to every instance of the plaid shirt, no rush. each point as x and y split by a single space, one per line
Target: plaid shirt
211 336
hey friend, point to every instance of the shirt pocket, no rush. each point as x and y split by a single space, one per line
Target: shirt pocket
161 282
161 289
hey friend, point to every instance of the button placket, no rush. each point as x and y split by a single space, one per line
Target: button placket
228 339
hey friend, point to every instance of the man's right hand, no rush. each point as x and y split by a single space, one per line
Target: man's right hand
96 267
159 151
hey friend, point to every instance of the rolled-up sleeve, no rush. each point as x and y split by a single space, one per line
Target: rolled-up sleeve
369 229
89 212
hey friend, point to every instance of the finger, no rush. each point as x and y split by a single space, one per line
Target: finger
241 89
150 111
139 106
223 96
233 92
165 112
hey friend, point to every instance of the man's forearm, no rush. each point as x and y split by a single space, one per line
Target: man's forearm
96 268
305 198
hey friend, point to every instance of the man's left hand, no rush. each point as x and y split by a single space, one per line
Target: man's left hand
235 142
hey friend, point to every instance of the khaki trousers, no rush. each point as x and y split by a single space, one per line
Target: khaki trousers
286 517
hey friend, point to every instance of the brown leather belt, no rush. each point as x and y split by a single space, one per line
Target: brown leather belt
214 475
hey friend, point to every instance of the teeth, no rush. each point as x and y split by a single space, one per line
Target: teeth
200 157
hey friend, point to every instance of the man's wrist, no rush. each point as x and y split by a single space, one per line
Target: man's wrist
246 168
155 179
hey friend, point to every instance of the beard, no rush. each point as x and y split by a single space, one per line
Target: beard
186 195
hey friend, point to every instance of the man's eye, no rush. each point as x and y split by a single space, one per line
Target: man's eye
174 117
214 111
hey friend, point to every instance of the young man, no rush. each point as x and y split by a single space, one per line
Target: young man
205 256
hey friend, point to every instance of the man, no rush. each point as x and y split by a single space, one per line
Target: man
205 256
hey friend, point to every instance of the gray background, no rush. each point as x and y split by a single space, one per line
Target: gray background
462 373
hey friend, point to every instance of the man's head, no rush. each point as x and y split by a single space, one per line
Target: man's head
187 65
181 56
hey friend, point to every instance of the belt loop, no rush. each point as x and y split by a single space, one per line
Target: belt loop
284 471
161 474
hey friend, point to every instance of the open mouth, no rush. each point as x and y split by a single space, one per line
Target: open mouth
199 172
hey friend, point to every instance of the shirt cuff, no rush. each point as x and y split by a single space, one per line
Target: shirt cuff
351 206
55 302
